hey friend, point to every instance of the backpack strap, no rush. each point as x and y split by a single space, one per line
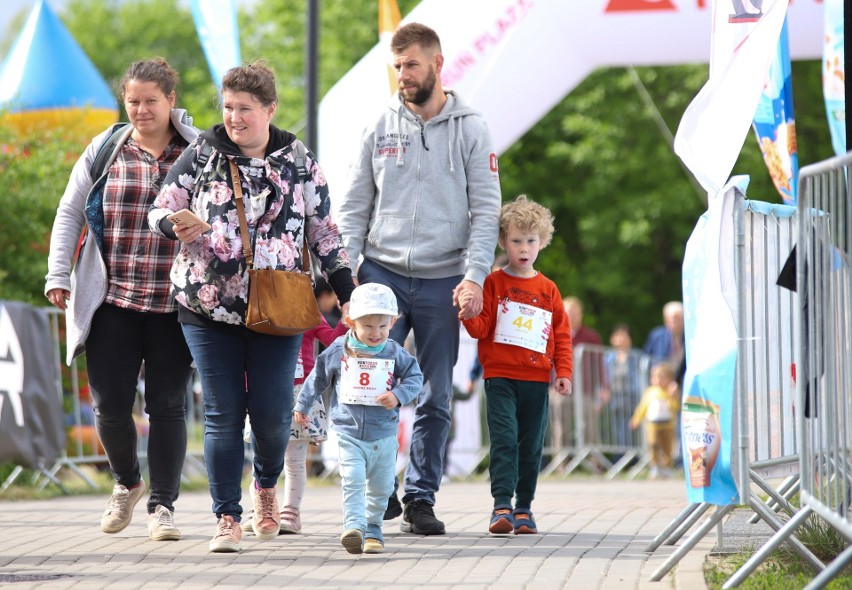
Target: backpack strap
203 157
299 155
109 149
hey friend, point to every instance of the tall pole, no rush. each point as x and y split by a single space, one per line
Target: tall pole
311 69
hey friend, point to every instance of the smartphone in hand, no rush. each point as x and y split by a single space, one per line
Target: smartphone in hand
187 217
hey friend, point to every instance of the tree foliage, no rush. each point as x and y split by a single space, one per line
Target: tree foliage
624 204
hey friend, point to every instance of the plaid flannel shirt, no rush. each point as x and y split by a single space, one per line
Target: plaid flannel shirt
138 261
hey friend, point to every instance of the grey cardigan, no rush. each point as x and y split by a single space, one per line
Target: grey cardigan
88 280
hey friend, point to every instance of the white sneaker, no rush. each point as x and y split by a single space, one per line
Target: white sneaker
161 525
120 507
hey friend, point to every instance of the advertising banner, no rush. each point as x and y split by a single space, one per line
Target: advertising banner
707 412
216 23
774 123
32 432
713 128
514 60
834 75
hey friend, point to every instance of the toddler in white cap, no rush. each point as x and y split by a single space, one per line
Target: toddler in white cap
368 377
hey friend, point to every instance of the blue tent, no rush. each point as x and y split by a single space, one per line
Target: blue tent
47 78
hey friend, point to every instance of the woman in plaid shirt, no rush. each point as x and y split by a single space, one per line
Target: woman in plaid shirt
120 307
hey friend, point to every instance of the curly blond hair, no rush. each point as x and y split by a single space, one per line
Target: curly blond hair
528 217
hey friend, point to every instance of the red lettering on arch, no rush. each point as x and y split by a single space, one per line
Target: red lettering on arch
639 5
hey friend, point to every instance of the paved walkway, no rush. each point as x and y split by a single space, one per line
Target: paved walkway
593 534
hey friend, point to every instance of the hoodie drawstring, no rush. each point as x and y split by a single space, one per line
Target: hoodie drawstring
451 134
400 156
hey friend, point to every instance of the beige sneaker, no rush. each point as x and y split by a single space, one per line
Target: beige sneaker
120 507
352 540
373 546
227 537
266 520
161 525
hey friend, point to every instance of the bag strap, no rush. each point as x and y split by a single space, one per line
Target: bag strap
109 149
241 214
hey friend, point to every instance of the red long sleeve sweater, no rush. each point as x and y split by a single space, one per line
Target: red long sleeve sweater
515 362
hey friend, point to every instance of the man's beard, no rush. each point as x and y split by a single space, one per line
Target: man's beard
424 91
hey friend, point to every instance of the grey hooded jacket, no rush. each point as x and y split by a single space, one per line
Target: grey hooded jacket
88 281
423 198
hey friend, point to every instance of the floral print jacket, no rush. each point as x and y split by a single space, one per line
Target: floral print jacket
209 275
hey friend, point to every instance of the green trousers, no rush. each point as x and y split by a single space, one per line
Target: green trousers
517 419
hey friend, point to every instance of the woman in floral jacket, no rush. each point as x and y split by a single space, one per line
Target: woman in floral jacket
244 371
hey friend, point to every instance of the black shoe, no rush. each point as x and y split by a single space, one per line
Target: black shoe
394 508
419 518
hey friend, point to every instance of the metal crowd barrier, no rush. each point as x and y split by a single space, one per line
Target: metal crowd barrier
764 442
823 363
82 444
591 428
588 429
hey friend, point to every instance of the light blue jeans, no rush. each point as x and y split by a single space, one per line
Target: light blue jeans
425 306
243 372
367 470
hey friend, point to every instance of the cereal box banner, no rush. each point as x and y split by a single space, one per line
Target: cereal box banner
707 411
775 126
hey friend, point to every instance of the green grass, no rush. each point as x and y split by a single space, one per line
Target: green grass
784 569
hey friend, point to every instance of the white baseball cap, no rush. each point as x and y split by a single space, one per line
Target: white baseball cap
372 299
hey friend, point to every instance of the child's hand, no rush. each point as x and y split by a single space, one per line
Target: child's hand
634 425
301 419
463 299
564 386
388 400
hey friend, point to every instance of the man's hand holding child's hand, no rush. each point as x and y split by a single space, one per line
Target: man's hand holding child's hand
301 419
564 386
388 400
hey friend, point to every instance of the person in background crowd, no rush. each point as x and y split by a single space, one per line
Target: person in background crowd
657 410
242 371
665 343
627 380
594 385
135 317
425 189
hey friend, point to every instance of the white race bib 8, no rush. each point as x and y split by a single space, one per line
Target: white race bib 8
362 380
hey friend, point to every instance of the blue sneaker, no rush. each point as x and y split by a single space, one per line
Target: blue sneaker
502 521
524 523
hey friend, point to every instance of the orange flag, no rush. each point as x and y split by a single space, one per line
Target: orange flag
389 18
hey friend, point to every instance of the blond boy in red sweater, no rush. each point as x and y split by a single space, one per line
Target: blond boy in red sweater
523 335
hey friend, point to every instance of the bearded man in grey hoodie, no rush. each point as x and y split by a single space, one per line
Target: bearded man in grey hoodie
422 208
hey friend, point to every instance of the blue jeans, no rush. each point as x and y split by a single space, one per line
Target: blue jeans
425 306
367 472
243 372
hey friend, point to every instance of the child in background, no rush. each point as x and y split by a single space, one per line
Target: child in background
658 408
316 431
369 377
523 335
